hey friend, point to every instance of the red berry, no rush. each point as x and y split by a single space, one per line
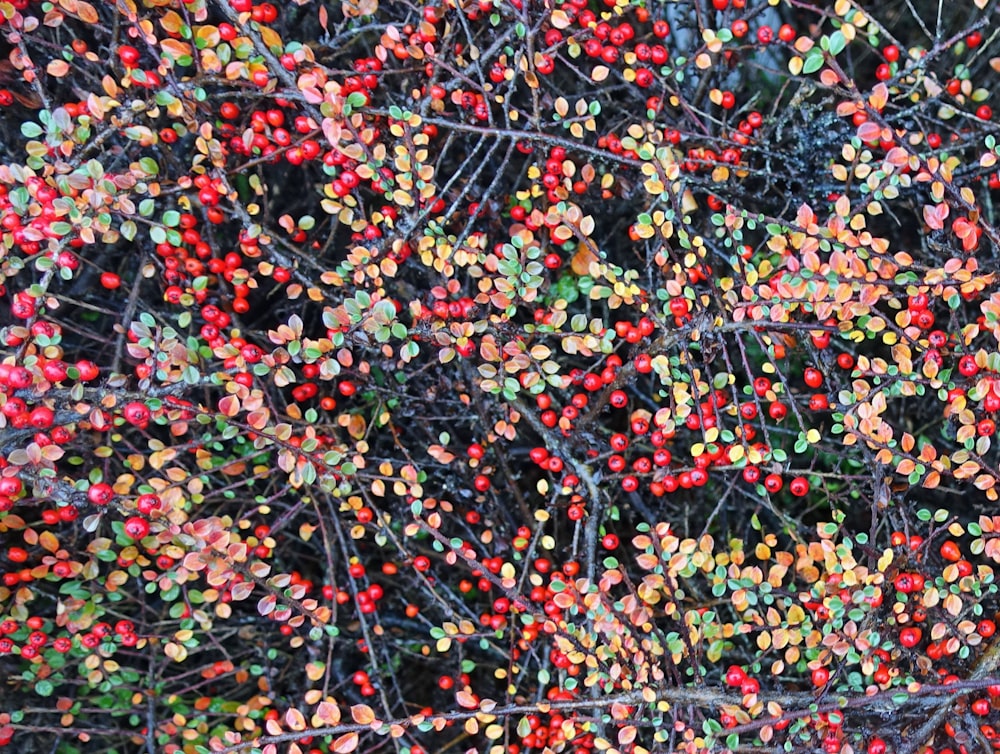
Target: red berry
41 417
820 677
773 483
812 377
110 280
136 527
981 707
735 676
950 551
876 746
129 56
136 414
799 486
910 636
967 366
100 493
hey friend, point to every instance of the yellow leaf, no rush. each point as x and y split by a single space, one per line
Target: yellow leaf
315 670
209 35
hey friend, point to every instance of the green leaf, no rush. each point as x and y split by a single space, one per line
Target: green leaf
837 42
30 129
814 61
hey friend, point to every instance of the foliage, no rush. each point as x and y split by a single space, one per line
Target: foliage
499 375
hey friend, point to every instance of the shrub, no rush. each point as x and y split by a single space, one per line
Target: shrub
503 375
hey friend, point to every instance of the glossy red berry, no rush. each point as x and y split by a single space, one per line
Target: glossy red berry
773 483
812 377
100 493
910 636
136 414
967 366
136 527
129 56
735 676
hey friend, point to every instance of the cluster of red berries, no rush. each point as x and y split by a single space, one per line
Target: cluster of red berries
271 136
590 382
32 638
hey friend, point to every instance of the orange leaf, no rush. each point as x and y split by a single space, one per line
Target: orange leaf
935 214
869 131
208 35
172 22
230 405
86 13
879 96
57 68
328 713
48 541
175 47
627 735
584 257
362 714
346 743
295 719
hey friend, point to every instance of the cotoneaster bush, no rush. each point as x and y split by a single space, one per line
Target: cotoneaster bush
499 376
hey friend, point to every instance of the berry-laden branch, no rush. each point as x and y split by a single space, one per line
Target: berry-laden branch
986 666
526 360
